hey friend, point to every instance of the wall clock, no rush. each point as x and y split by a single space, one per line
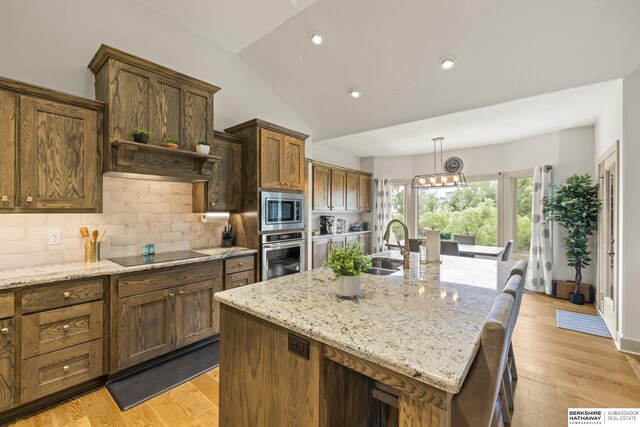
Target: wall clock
453 165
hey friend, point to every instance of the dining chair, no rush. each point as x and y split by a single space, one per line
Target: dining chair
414 245
515 288
464 239
477 402
449 247
507 250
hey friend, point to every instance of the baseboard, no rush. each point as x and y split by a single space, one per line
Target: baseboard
629 346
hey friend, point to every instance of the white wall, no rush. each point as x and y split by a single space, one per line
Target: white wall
568 151
50 43
334 157
609 125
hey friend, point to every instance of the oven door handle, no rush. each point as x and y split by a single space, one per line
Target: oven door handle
282 245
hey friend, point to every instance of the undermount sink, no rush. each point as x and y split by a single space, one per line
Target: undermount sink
384 266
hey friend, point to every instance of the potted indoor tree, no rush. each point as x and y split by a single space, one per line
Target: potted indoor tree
140 135
575 207
203 147
347 265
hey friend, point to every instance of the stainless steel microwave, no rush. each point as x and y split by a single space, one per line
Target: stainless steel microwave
281 211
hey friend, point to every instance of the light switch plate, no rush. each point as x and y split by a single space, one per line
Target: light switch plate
55 237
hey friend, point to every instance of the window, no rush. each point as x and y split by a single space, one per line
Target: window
471 210
398 210
524 194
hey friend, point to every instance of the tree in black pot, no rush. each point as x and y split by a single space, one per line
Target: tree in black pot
575 207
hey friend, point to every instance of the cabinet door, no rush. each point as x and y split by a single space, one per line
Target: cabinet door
7 346
271 159
130 95
365 241
338 190
224 187
321 188
165 114
320 252
236 280
146 327
60 165
353 185
293 163
351 239
195 312
8 145
198 118
364 193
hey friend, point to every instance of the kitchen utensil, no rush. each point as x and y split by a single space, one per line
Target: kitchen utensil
94 236
84 232
102 234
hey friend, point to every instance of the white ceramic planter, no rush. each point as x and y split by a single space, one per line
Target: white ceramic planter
348 286
203 149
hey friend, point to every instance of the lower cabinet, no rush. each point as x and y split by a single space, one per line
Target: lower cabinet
239 271
322 248
180 311
7 361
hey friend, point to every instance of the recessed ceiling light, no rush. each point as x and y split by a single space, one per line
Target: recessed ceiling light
447 63
316 38
355 93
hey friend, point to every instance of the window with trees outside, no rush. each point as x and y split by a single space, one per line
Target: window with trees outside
398 211
524 194
471 210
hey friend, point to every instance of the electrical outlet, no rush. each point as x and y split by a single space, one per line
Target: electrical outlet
55 237
298 346
200 230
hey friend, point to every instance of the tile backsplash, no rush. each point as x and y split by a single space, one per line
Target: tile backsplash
135 212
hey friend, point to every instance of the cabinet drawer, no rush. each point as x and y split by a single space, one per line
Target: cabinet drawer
62 295
238 279
154 280
6 305
49 373
56 329
236 265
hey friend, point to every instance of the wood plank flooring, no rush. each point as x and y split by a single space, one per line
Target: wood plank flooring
558 369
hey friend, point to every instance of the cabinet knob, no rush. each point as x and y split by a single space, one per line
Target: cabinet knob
181 293
213 203
5 198
66 294
240 264
4 331
29 199
65 328
171 295
65 368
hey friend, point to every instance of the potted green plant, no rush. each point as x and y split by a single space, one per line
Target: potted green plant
140 135
347 265
203 147
171 143
575 207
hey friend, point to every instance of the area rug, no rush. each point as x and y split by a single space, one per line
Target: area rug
136 389
585 323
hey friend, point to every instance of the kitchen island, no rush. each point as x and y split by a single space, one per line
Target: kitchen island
294 354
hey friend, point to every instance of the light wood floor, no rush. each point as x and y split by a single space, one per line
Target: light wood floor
558 369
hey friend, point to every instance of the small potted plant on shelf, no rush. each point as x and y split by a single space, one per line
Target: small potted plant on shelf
171 143
347 265
575 207
203 147
140 135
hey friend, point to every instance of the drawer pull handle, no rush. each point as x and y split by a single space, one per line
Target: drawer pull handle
65 368
65 328
4 331
5 198
181 293
29 199
240 264
171 295
66 294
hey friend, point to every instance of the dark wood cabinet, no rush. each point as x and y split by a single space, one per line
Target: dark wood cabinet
339 190
51 155
293 163
358 192
321 188
196 312
322 249
223 192
281 161
7 363
364 193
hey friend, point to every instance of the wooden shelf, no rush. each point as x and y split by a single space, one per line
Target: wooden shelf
136 157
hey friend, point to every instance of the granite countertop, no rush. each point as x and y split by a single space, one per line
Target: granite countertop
19 277
320 236
424 324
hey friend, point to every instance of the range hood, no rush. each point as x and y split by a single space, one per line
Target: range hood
140 94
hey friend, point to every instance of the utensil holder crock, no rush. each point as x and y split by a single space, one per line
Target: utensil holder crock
91 251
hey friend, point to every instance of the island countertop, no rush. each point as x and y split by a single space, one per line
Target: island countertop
423 323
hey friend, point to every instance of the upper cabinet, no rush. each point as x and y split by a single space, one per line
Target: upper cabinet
51 158
338 190
223 192
169 104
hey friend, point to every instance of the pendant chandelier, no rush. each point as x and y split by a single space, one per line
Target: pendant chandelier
452 177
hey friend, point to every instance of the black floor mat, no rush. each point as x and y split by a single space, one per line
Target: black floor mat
132 391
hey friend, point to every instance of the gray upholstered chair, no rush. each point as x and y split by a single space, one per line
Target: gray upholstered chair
463 239
476 403
449 247
507 250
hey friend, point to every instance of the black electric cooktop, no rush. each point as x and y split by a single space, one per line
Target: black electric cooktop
130 261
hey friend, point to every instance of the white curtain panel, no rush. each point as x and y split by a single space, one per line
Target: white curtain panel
382 212
540 270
